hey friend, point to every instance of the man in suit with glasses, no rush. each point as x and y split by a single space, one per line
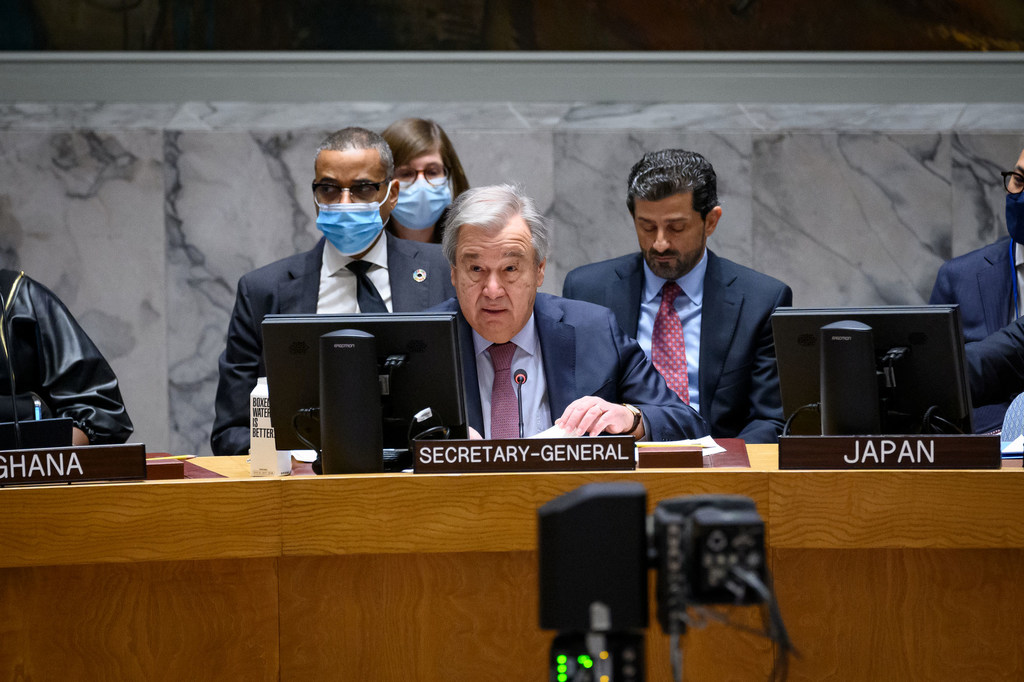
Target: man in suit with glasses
986 284
356 267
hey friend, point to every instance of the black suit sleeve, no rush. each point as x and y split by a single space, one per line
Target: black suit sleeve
666 417
942 291
766 418
239 366
995 365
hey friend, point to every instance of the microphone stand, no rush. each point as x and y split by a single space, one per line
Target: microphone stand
520 379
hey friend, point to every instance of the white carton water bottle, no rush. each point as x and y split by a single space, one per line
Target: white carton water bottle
264 459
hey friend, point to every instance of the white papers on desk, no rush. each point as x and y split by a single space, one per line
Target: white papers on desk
707 443
710 447
304 455
555 431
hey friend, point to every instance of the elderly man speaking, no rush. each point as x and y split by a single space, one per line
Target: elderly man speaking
579 365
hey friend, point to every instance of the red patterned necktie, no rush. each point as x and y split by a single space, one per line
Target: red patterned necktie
504 407
668 348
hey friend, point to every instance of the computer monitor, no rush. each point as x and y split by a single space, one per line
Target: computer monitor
918 366
418 353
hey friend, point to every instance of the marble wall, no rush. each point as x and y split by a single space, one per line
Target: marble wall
142 217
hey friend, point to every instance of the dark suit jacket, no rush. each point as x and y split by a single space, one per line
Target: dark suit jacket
995 365
585 353
739 380
291 285
979 282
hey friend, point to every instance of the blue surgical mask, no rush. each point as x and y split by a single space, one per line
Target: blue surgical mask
421 204
351 228
1015 216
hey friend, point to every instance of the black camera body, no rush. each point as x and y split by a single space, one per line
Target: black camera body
596 545
697 542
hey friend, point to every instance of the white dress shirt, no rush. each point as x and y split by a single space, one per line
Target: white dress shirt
338 284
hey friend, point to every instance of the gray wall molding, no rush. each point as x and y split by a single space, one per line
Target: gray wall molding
715 77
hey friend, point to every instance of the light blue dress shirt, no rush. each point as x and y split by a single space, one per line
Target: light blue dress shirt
688 307
536 412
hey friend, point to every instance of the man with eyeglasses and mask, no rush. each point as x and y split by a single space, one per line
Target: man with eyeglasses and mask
986 284
704 321
356 267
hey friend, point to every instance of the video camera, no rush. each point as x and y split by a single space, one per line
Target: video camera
596 545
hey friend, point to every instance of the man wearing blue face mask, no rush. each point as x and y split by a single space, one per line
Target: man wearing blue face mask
987 283
356 267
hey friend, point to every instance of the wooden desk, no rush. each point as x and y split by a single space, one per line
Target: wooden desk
880 575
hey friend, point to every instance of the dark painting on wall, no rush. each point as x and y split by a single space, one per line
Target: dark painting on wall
550 25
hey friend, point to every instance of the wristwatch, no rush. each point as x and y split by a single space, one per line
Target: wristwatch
637 416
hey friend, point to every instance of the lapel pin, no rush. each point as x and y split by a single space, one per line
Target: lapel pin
419 275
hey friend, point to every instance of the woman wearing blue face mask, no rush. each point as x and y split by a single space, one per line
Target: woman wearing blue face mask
430 177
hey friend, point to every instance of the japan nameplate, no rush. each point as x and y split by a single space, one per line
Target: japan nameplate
889 452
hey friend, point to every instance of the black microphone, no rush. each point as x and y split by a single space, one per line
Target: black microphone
8 345
520 378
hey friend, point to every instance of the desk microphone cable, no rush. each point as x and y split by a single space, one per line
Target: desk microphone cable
311 413
803 408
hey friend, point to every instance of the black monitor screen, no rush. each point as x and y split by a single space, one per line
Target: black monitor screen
428 372
919 366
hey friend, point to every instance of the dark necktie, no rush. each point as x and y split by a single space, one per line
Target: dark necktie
366 294
668 349
504 408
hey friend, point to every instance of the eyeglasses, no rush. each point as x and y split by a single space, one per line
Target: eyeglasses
329 193
1013 181
434 175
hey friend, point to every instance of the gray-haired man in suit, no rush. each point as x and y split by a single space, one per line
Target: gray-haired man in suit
357 267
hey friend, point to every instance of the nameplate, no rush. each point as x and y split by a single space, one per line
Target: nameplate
598 453
673 457
889 452
74 464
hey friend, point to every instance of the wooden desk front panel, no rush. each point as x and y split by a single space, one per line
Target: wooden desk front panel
436 578
880 575
896 509
146 521
466 616
186 620
914 614
467 513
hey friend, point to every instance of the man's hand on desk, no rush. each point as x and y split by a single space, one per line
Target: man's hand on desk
594 416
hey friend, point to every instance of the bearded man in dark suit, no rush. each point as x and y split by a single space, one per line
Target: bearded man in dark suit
725 365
